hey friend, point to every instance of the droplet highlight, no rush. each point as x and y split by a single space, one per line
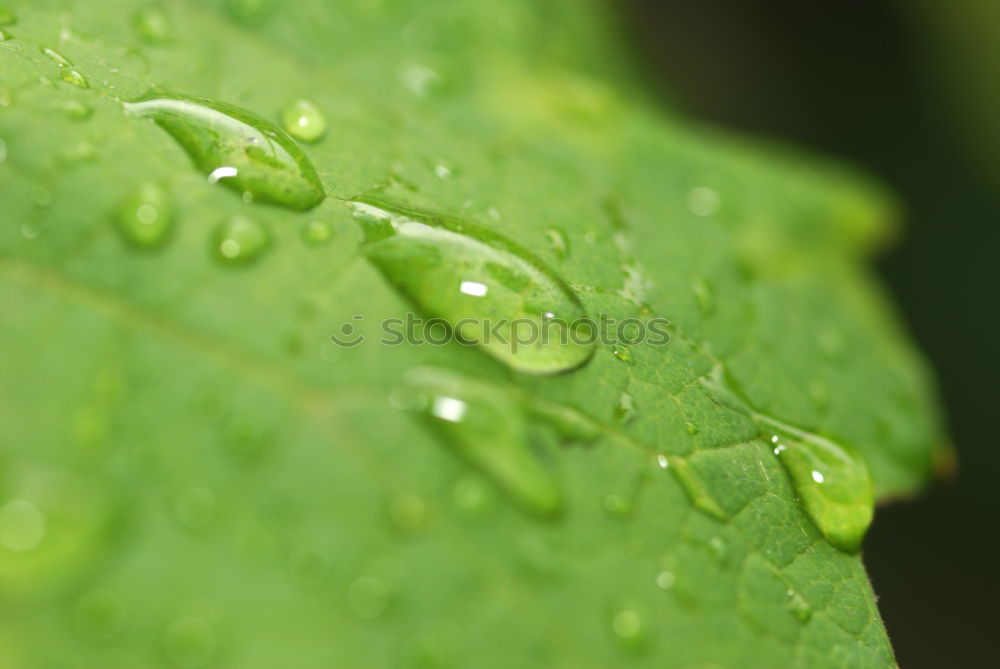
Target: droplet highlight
145 218
236 148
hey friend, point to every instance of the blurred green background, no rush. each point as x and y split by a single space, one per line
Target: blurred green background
907 90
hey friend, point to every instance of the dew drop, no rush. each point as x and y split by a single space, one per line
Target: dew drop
22 525
237 149
493 292
831 481
470 495
443 172
145 218
623 353
195 507
5 36
189 642
100 614
662 461
367 597
317 232
485 425
153 25
627 627
559 243
665 580
616 505
66 71
240 240
691 428
625 409
303 120
799 607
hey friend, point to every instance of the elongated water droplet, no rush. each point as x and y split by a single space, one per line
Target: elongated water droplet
153 25
703 294
189 642
145 218
240 240
7 17
236 148
800 608
493 292
625 409
486 426
66 71
560 245
303 120
832 482
623 353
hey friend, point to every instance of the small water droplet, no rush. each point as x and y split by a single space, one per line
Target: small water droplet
442 171
100 614
627 626
831 481
718 547
367 597
625 409
493 292
623 353
662 461
22 525
240 240
74 110
145 218
417 78
153 25
665 580
3 151
317 232
800 608
309 566
189 642
691 428
559 242
407 511
703 201
195 507
616 505
5 36
470 495
7 17
237 149
703 294
486 426
303 120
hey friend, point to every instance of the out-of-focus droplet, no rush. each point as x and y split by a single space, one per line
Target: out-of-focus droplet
145 218
240 240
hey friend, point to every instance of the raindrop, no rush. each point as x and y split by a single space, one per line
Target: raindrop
493 292
665 580
317 233
616 505
442 171
367 597
303 120
485 425
623 353
703 295
74 110
627 626
831 482
691 428
189 642
236 148
145 218
625 409
100 614
800 608
240 240
559 243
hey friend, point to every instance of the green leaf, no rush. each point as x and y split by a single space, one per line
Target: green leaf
193 473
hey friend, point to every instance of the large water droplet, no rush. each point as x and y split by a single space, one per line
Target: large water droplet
145 217
304 120
486 426
66 71
189 642
493 292
832 482
236 148
240 240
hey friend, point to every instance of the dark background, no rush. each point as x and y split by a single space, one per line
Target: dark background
848 79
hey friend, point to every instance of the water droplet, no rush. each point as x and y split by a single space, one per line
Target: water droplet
74 110
303 120
662 461
407 511
470 495
240 240
195 507
616 505
153 25
5 36
800 608
66 71
367 597
309 566
665 580
493 292
442 171
189 642
558 242
486 426
3 151
7 17
100 614
627 626
317 233
703 294
718 547
832 482
625 409
22 525
691 428
145 217
236 148
703 201
623 353
417 78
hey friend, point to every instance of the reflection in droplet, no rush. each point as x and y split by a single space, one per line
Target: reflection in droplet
236 148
